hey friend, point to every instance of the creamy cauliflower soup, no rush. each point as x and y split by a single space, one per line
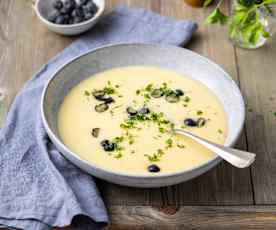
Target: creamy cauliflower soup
121 120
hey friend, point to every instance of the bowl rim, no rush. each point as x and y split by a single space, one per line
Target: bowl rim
46 21
135 175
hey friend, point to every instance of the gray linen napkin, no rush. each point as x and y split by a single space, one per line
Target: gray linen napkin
38 187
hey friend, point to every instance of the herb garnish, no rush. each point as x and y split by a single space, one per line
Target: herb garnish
109 89
181 146
246 23
151 91
155 156
199 112
186 99
169 143
86 93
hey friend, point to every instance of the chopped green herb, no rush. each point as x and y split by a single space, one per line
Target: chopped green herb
199 112
109 90
149 87
187 99
130 139
181 146
155 156
86 93
169 143
147 96
128 124
161 130
160 152
152 158
118 139
118 155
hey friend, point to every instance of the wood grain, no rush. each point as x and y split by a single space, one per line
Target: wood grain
258 82
193 217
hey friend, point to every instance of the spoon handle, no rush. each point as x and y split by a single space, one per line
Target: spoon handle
238 158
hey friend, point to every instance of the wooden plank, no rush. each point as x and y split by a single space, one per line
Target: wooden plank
193 217
224 184
258 83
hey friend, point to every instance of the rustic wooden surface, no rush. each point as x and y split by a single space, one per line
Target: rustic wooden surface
223 198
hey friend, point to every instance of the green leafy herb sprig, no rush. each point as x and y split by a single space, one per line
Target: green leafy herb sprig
245 22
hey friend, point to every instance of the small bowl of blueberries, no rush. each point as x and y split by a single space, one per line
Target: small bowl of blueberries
69 17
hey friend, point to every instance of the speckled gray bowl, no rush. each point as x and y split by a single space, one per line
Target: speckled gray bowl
178 59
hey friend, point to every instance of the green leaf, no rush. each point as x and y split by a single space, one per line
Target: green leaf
246 3
216 17
207 3
270 2
266 34
238 17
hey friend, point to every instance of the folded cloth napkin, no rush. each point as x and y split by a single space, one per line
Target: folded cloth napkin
39 188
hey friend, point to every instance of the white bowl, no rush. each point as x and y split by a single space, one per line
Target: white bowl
44 7
178 59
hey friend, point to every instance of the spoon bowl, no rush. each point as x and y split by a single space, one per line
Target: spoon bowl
237 158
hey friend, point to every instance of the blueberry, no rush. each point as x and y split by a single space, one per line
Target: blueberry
179 92
98 94
190 122
157 93
68 6
107 100
108 146
100 108
201 122
144 110
71 20
88 15
57 4
82 2
172 97
91 7
131 111
60 19
66 18
77 12
53 16
153 168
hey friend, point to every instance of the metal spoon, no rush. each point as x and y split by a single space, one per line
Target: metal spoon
237 158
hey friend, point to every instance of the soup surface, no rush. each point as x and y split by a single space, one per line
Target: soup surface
121 119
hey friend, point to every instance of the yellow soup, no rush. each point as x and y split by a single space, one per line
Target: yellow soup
121 119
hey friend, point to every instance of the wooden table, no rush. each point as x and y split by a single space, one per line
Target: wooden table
223 198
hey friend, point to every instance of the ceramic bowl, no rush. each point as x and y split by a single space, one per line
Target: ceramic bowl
178 59
44 7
